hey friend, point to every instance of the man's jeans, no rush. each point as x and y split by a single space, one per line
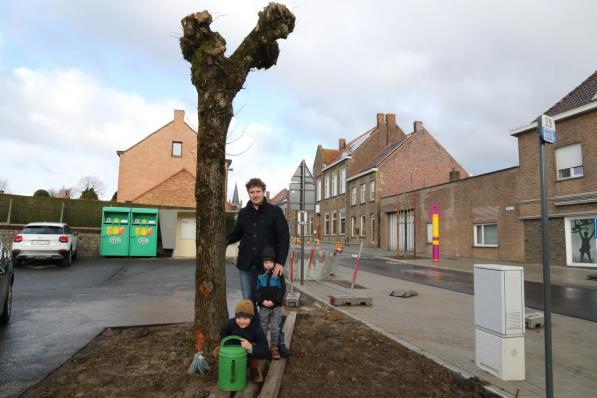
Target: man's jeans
247 280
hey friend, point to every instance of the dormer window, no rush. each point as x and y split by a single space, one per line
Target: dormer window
176 149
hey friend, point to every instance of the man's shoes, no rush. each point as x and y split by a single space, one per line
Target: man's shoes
284 353
275 352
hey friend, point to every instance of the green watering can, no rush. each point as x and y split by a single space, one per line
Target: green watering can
232 366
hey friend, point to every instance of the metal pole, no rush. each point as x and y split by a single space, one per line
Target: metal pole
546 270
302 225
61 212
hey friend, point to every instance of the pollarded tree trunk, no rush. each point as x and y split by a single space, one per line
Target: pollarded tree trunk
217 79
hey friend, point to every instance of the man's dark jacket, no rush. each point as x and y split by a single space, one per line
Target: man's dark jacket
257 229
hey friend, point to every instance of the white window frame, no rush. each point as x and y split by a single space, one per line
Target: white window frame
342 188
310 230
342 230
318 189
353 223
569 161
334 222
353 196
363 221
176 144
363 192
372 226
483 244
326 180
372 190
326 223
335 184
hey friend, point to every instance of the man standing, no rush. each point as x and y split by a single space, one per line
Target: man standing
259 224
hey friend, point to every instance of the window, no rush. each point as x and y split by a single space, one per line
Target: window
363 218
569 162
334 184
342 180
326 224
363 190
310 230
429 233
372 190
334 222
486 235
353 196
372 227
176 149
327 186
342 222
354 230
580 241
318 189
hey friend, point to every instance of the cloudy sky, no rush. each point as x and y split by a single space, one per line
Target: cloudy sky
81 80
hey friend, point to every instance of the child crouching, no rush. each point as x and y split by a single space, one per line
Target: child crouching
253 339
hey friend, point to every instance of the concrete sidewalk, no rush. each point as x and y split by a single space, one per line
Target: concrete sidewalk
565 276
441 323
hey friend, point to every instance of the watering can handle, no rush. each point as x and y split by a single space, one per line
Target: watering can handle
225 339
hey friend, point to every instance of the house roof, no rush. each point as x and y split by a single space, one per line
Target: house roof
583 94
382 155
155 132
279 198
340 154
181 171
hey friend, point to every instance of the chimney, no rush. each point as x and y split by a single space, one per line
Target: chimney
391 120
178 116
380 120
341 143
418 126
454 175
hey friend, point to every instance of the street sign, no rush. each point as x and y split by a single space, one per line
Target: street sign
547 129
301 194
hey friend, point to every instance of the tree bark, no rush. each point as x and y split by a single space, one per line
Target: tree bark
217 79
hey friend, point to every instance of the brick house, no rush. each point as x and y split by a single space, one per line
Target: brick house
350 180
161 168
497 215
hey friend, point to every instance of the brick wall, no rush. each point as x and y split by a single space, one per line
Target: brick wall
533 248
420 162
150 161
486 199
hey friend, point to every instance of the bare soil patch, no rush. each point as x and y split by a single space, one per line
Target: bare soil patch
145 361
337 356
333 355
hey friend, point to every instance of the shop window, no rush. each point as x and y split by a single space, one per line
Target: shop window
581 245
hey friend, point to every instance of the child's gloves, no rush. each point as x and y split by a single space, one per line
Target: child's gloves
199 364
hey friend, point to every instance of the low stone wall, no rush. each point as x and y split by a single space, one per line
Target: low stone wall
88 245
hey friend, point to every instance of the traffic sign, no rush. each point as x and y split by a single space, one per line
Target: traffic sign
547 129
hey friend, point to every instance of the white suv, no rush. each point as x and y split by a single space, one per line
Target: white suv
45 241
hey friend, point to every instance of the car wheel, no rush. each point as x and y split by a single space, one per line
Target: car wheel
68 259
16 262
5 316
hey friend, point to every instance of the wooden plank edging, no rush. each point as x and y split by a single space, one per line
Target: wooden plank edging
273 379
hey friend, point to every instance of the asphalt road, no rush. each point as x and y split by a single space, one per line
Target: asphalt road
575 301
56 311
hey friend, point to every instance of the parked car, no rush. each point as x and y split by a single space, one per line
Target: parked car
45 241
6 280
